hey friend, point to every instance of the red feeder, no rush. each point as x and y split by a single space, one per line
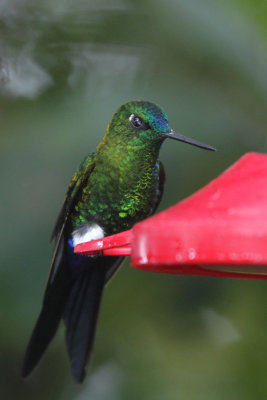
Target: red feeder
221 230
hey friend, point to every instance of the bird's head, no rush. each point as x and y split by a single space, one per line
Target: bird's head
145 122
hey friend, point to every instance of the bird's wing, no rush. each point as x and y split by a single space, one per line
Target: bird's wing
59 280
75 186
159 189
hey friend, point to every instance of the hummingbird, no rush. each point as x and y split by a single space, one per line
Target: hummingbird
115 187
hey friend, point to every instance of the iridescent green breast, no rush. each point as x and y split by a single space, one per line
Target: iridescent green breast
120 191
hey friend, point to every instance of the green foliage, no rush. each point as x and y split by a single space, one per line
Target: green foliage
65 67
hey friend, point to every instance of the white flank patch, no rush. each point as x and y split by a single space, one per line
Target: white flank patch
87 233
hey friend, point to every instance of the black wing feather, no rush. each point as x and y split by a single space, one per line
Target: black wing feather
49 318
59 280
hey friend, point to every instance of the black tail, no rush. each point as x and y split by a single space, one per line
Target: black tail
80 317
77 300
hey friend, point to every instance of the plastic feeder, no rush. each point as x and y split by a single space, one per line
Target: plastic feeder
221 230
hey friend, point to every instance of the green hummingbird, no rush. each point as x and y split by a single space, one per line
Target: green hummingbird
118 185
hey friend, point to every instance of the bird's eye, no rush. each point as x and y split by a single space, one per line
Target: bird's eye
137 122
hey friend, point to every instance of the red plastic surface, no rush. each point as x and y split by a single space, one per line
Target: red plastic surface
114 245
222 226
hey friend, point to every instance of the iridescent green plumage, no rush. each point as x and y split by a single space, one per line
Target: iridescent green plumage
115 187
122 177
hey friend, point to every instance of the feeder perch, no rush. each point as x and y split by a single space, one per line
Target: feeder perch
221 230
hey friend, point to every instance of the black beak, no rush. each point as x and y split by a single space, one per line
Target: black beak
178 136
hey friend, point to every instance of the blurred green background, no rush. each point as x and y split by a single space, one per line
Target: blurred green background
65 67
